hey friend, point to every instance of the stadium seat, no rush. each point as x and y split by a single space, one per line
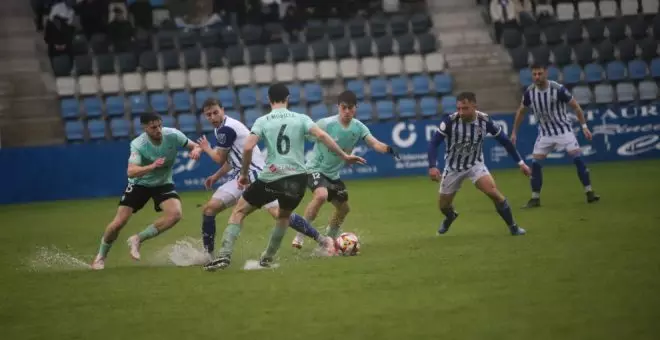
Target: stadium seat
364 111
159 102
607 8
335 28
251 115
321 49
553 73
176 79
407 108
92 107
626 92
148 61
299 51
83 65
448 104
109 83
406 44
562 54
595 30
181 101
399 86
96 128
306 71
378 25
435 62
241 75
573 32
378 88
88 85
525 77
263 95
168 120
201 96
257 54
349 68
251 34
247 97
532 35
319 111
606 51
413 64
638 28
421 85
66 86
627 50
357 87
105 63
421 22
636 70
138 103
648 90
356 27
114 106
206 125
384 46
285 72
616 71
187 123
328 70
444 84
235 55
214 57
603 94
541 55
399 24
62 66
428 106
294 94
120 128
392 65
132 82
154 81
582 95
279 53
298 109
385 109
427 43
69 108
75 131
572 74
192 58
593 73
363 47
370 67
313 93
198 78
226 98
342 48
520 57
314 31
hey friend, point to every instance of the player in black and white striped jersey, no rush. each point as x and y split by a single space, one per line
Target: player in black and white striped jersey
463 133
548 101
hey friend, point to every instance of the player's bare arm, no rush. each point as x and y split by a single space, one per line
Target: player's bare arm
250 142
324 138
580 115
520 114
381 147
217 155
432 155
225 169
195 150
135 170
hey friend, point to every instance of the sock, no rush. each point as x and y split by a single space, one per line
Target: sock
504 210
104 248
333 231
147 233
300 224
536 179
275 241
208 233
449 212
228 238
583 173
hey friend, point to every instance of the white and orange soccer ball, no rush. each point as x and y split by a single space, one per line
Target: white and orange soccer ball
347 244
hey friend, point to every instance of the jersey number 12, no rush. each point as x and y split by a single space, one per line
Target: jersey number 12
283 142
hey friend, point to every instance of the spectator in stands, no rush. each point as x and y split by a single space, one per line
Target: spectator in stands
93 16
504 14
292 21
120 30
270 10
59 33
142 17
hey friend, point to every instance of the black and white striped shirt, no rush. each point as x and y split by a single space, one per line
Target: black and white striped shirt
549 107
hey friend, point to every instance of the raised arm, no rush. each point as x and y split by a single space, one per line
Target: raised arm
381 147
504 140
324 138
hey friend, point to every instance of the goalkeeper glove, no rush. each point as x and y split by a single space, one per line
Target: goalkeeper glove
394 152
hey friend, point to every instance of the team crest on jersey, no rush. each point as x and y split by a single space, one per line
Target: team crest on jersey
272 168
222 138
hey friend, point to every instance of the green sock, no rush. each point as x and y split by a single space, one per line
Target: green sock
275 241
228 238
104 248
333 231
147 233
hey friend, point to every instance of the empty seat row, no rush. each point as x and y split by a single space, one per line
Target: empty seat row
614 71
621 93
603 8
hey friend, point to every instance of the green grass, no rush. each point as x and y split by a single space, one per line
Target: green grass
582 272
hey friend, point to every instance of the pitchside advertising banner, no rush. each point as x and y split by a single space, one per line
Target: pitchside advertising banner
99 170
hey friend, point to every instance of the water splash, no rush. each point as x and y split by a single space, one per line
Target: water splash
183 253
55 259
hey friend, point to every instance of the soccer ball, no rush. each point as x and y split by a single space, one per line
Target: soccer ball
347 244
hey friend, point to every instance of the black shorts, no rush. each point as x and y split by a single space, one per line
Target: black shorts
336 188
136 196
288 191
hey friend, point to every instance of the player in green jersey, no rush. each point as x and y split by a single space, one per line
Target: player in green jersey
324 166
284 176
150 164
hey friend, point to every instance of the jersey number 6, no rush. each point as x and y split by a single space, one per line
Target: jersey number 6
283 142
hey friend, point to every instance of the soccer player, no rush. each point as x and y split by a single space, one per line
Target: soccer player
231 135
324 167
152 157
463 133
283 177
548 100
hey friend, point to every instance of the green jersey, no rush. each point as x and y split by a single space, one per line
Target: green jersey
144 152
284 133
325 161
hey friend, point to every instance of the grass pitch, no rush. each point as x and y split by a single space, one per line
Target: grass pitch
582 271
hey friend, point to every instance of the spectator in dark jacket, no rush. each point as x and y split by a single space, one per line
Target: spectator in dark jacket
93 16
59 36
142 17
120 30
292 21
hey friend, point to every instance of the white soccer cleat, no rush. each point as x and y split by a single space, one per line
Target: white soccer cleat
134 246
298 241
329 247
99 263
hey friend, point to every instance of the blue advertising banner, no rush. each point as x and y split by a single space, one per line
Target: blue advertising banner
99 170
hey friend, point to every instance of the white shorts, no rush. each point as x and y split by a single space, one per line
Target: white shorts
229 193
547 144
452 180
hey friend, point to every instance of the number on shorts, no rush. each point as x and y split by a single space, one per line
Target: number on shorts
316 175
129 188
283 139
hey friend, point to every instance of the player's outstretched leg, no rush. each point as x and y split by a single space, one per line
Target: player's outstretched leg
122 216
303 227
211 209
337 219
487 185
447 209
172 214
311 211
583 175
536 182
242 209
276 236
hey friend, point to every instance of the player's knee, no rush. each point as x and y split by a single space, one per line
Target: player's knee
283 214
320 196
345 208
174 216
213 208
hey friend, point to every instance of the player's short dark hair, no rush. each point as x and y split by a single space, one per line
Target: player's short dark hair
537 66
149 117
209 102
347 97
278 93
469 96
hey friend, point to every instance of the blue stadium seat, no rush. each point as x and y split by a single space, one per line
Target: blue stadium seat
138 104
357 86
247 97
616 71
75 131
553 73
206 125
407 108
313 93
378 88
593 73
421 85
298 109
572 74
92 107
448 104
181 101
636 69
251 116
96 129
294 94
187 123
444 83
655 68
70 108
226 98
385 109
429 106
233 114
114 106
120 128
525 77
399 86
364 110
319 111
201 96
168 121
159 102
263 95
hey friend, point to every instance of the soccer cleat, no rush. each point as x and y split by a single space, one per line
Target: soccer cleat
134 247
221 262
298 241
99 263
517 231
592 197
446 223
329 246
266 262
533 203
